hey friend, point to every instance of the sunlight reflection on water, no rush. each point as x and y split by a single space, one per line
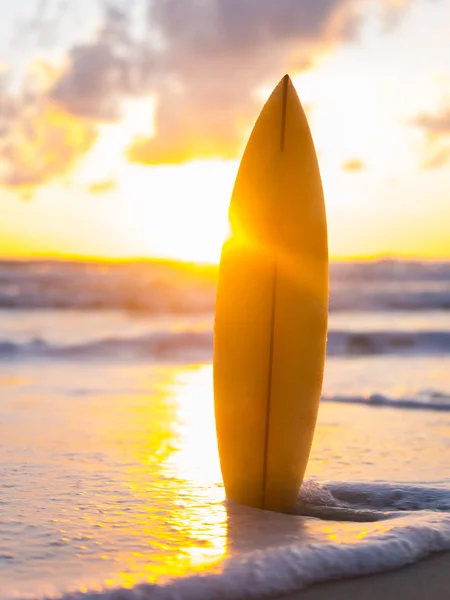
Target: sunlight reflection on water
177 465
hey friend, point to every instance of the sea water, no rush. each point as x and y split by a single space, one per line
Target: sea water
109 474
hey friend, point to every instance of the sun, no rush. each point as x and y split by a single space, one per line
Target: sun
178 211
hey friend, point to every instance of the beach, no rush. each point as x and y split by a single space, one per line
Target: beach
108 453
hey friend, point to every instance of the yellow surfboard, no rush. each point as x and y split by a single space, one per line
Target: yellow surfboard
271 310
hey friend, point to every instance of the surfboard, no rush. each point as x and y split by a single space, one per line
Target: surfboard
271 310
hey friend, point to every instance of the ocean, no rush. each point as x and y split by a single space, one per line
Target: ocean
109 474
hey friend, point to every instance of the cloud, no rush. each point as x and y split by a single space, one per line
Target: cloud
199 123
201 60
231 27
100 73
51 122
43 143
102 187
215 54
436 125
437 159
9 109
354 164
392 12
91 85
437 129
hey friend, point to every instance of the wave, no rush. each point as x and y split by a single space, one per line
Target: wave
411 523
190 346
198 344
347 343
424 400
159 345
380 500
174 287
137 286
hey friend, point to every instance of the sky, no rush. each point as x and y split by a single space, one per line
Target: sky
122 123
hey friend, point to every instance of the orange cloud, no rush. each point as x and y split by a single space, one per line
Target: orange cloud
149 151
437 159
42 143
354 164
216 54
101 187
437 129
436 125
201 61
188 132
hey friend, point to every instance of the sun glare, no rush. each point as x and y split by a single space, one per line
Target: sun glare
178 211
177 451
170 211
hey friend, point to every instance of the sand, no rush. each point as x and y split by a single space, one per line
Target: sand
428 579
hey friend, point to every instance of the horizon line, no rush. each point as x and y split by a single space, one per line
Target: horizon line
86 258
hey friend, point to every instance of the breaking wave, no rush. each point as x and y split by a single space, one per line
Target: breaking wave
162 345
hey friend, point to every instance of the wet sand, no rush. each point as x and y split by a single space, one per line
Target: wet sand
427 579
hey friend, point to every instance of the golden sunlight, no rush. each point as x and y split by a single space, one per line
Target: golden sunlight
180 211
171 447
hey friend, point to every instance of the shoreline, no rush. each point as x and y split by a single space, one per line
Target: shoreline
428 578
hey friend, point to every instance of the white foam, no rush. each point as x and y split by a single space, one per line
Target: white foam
396 539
